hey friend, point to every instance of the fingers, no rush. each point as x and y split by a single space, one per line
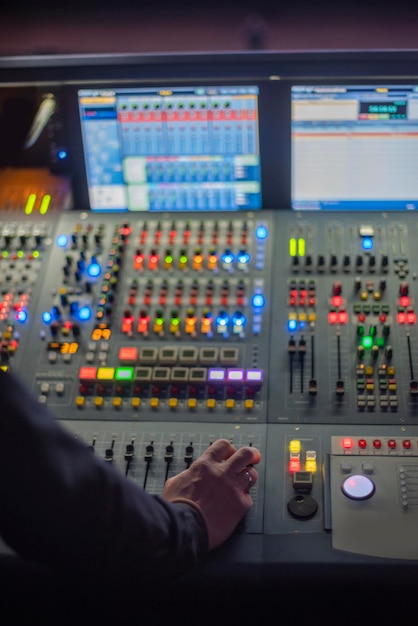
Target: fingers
243 458
223 450
220 450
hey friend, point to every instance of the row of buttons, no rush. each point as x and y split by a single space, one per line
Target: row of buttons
155 403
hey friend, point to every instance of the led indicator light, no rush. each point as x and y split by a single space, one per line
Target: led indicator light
367 243
292 247
30 203
261 232
46 317
301 247
292 325
45 202
62 241
21 316
94 270
84 313
367 341
258 301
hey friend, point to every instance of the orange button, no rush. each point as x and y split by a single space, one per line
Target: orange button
88 373
128 355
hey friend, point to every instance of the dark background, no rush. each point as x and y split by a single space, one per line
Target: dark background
95 26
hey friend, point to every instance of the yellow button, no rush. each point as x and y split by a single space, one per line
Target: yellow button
230 403
192 403
105 373
377 295
312 317
392 386
310 465
211 403
293 315
302 316
98 402
173 403
369 370
391 370
136 403
154 402
294 445
117 402
80 401
249 404
364 295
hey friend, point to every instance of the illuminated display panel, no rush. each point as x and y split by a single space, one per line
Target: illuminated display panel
354 147
177 149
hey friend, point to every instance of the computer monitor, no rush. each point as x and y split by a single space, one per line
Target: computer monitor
171 148
354 147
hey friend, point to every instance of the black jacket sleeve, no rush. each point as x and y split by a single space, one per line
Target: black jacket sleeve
63 507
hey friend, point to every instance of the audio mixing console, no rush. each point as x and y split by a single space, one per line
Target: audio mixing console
200 258
150 337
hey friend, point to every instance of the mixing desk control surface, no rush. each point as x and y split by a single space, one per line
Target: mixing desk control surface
151 336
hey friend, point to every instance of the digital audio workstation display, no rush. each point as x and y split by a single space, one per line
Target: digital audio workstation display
177 149
354 147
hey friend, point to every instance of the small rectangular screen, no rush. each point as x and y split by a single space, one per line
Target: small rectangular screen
354 147
171 149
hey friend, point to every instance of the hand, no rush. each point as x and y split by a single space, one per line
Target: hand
218 484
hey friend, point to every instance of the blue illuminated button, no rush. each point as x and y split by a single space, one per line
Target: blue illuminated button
21 316
367 243
47 317
84 313
243 258
358 487
292 325
94 269
261 232
62 241
258 301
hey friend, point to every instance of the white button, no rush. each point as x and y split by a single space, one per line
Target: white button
358 487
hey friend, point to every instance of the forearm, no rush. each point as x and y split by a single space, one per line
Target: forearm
62 506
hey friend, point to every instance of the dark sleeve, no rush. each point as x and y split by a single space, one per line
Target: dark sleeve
63 507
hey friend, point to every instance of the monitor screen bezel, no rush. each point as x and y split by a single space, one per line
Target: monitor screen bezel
272 134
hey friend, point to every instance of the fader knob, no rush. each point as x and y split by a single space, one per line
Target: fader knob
375 351
295 263
313 387
388 352
403 289
339 388
321 263
129 453
108 455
